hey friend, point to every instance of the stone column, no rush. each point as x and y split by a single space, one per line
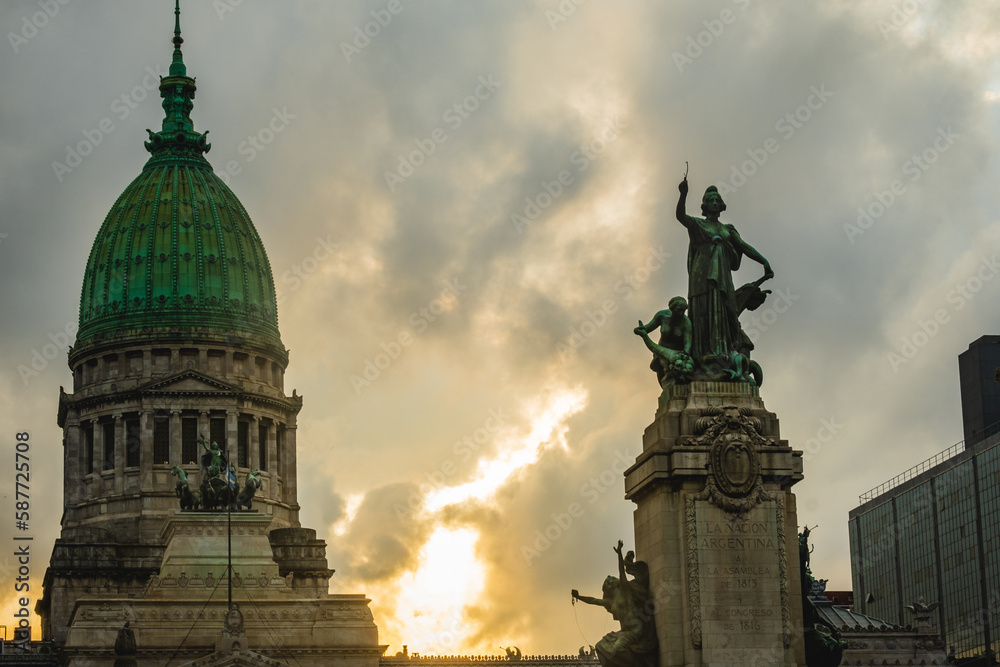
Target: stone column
99 487
716 523
145 449
75 463
289 464
175 438
98 445
119 453
203 428
272 459
147 363
254 454
232 433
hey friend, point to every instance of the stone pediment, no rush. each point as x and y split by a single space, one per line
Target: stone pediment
189 381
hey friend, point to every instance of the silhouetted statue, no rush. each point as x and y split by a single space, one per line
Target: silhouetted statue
216 492
635 645
822 641
253 483
125 649
212 459
189 501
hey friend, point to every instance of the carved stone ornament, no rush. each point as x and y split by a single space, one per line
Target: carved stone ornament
234 621
734 482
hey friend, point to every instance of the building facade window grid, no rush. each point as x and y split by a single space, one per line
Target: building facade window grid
960 564
989 506
915 522
879 562
947 537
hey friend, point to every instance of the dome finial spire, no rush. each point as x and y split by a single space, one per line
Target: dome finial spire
178 139
177 65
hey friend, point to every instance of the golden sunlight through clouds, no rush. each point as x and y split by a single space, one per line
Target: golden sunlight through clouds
427 604
514 453
430 603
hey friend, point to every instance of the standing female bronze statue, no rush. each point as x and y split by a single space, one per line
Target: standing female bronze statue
719 345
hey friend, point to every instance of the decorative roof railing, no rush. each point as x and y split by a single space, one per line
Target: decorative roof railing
988 433
923 466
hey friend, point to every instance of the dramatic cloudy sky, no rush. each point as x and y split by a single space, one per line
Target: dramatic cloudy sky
432 478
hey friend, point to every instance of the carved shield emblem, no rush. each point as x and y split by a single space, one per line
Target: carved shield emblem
736 465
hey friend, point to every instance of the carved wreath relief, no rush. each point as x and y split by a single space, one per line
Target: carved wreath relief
734 481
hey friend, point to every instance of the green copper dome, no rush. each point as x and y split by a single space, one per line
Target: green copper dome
177 249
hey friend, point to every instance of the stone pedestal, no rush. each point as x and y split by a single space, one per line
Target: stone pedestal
716 522
179 615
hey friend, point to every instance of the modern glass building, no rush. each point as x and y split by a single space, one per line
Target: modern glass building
933 533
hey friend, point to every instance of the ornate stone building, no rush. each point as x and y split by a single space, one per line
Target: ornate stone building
178 339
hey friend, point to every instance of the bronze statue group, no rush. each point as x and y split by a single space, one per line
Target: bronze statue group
218 489
708 342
